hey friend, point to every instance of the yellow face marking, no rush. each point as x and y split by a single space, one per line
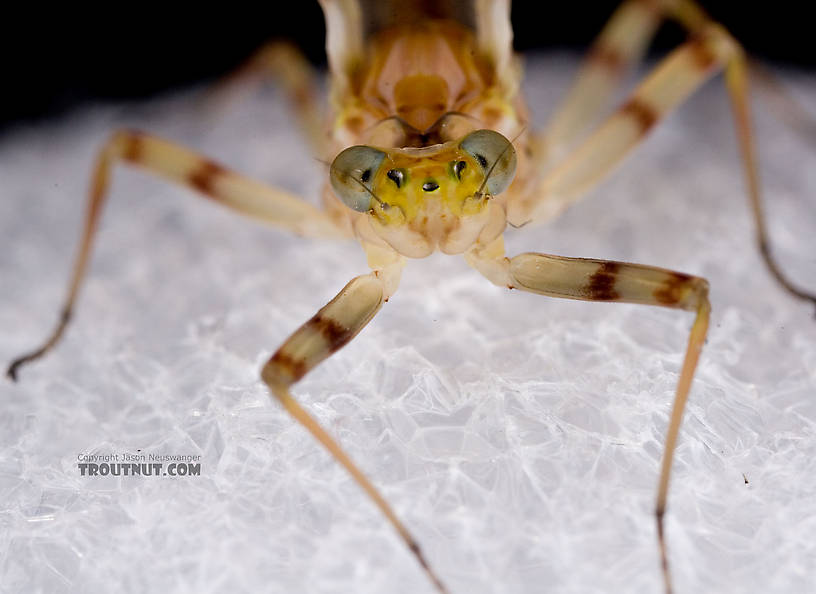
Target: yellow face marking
422 199
396 185
407 180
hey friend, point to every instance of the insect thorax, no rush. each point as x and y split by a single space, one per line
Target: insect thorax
421 85
409 77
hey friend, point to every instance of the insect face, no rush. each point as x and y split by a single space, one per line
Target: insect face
421 199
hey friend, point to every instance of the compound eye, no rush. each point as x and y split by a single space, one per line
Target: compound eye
495 156
352 174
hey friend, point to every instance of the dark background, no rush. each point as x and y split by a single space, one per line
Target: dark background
55 59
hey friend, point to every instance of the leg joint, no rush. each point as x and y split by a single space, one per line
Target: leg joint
282 370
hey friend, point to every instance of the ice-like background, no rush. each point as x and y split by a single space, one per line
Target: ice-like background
517 436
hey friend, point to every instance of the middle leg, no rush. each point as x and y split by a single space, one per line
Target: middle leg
182 166
617 49
675 78
282 63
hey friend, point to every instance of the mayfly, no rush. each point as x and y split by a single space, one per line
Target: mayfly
429 149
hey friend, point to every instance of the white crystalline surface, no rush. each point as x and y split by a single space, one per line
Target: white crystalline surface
517 436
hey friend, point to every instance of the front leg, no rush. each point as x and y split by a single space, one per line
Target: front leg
604 280
328 331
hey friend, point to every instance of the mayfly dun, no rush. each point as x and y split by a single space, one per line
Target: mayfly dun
429 149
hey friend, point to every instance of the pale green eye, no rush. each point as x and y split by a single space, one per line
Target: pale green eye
352 173
495 155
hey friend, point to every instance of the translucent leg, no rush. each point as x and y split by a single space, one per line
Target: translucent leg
605 280
183 166
334 326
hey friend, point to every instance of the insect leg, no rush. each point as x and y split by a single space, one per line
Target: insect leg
672 81
667 86
329 330
620 45
604 280
183 166
286 65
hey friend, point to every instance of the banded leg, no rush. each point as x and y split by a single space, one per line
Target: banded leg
603 280
284 64
670 83
183 166
674 79
620 45
328 331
